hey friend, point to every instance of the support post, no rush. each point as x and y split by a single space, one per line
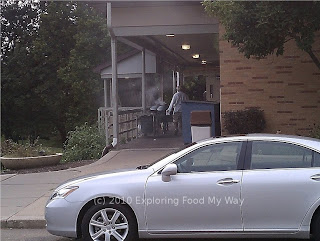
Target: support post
183 79
173 82
110 92
105 91
178 79
143 79
114 91
105 112
161 86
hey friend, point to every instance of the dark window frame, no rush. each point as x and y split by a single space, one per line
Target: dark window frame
248 157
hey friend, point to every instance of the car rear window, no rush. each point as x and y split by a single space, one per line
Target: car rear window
272 155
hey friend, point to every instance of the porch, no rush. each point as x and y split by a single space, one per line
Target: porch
177 42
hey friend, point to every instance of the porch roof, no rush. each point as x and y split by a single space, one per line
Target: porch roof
129 65
145 24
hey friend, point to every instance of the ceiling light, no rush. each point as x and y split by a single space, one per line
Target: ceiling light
127 77
185 46
170 35
196 56
203 62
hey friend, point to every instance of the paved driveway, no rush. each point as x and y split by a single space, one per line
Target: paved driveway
43 235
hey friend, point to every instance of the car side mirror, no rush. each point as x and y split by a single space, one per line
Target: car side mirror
168 171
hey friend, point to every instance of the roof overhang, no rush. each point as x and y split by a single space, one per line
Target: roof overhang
145 24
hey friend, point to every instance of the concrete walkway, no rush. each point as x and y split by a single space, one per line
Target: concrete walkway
24 196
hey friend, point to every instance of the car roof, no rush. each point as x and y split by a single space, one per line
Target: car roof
301 140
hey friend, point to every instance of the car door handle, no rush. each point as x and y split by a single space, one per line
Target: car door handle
227 181
315 177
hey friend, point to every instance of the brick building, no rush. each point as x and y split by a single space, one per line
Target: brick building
286 87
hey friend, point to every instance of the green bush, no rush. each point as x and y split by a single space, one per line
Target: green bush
10 148
315 133
244 121
84 143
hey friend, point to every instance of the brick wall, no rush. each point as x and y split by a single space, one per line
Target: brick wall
287 87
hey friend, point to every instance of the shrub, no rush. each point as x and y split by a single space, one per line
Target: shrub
84 143
10 148
244 121
315 133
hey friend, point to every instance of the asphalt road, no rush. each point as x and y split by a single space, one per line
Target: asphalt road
42 234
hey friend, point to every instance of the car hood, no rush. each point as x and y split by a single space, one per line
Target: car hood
113 174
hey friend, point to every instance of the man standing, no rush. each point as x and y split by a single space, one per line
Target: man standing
176 106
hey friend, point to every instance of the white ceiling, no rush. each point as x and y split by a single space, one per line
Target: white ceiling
206 45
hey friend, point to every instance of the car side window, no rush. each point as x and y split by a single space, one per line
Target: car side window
272 155
316 159
216 157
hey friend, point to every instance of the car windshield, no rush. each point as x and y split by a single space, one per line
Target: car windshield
169 154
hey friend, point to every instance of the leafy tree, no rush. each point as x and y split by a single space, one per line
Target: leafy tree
260 28
49 54
19 24
195 87
20 107
51 50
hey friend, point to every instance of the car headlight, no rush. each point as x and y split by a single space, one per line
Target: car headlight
63 192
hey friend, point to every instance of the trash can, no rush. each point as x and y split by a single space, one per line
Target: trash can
146 124
200 125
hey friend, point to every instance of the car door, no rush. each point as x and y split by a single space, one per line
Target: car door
279 187
203 196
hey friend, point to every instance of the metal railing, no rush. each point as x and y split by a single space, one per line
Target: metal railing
128 122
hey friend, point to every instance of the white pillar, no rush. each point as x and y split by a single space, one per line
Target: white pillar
178 79
105 91
161 85
173 82
143 79
110 92
114 91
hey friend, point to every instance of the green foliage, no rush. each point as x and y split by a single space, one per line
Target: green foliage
315 133
22 109
67 84
19 24
195 87
84 143
49 53
260 28
244 121
10 148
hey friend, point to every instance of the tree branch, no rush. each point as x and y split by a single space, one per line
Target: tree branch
314 58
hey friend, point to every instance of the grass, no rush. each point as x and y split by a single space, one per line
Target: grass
23 149
53 144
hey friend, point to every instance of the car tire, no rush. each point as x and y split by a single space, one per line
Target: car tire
316 228
111 220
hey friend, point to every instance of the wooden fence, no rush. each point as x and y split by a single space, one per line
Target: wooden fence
128 123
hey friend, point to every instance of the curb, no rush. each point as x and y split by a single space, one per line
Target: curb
23 224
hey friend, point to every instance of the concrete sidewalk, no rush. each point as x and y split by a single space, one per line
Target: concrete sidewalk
23 196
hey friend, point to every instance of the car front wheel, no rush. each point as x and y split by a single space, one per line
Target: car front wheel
109 223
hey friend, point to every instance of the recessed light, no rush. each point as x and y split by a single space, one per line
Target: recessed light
196 56
170 35
203 62
185 46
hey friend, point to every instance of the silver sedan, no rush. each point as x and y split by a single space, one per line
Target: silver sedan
256 186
